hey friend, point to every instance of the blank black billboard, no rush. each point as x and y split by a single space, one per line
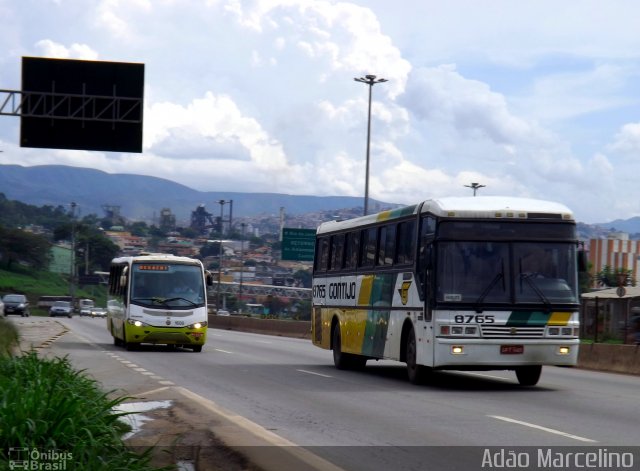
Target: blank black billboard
84 105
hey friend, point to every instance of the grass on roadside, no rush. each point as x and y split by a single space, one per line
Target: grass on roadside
9 337
47 406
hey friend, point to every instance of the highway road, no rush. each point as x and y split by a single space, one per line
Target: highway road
354 418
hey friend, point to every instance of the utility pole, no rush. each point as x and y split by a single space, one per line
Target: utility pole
72 268
243 226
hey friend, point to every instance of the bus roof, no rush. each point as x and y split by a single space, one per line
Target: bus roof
498 207
157 257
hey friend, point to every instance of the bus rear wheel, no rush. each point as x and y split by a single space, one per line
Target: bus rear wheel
345 361
528 375
417 373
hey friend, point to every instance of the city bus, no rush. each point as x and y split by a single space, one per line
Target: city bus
158 299
460 283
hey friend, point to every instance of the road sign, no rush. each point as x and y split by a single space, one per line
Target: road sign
298 244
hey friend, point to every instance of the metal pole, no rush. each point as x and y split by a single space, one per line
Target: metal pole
370 80
72 268
221 203
243 225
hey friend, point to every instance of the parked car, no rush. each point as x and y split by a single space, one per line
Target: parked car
98 312
61 308
16 304
223 312
1 308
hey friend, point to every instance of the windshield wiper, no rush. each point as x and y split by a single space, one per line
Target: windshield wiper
487 290
178 299
528 277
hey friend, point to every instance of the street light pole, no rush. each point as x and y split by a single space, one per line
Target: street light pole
475 187
221 203
243 225
370 80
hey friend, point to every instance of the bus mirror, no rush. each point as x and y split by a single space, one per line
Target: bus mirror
123 277
208 277
582 261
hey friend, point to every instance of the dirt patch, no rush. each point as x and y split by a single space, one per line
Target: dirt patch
179 435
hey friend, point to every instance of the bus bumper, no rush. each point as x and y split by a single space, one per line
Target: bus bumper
168 336
504 353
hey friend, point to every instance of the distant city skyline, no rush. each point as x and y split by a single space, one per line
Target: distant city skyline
535 99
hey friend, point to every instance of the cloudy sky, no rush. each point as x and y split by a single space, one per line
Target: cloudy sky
531 98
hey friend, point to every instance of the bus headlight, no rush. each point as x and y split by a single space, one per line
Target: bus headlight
564 350
136 323
457 350
198 325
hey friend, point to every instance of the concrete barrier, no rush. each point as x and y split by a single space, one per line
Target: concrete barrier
609 357
597 356
284 328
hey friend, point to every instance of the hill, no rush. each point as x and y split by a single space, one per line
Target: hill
142 197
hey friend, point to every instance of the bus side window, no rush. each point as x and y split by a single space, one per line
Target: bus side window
427 233
368 247
352 247
337 251
387 244
406 242
322 257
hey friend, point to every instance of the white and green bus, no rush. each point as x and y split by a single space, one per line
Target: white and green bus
158 299
476 283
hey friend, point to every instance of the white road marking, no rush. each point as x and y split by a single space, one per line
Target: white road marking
166 382
223 351
544 429
314 373
263 341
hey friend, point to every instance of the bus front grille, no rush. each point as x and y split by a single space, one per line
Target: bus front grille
509 332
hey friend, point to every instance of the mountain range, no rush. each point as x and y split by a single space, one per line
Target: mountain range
143 197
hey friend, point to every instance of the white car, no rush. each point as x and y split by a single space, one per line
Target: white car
98 312
223 312
1 308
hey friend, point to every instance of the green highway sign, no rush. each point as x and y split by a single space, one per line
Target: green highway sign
298 244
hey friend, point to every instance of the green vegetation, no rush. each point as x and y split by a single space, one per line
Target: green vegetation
47 406
9 338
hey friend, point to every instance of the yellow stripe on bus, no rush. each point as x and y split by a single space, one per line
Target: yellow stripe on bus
559 318
365 289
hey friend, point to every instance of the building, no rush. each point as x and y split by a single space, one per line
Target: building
616 251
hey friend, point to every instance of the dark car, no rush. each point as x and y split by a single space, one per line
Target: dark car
16 304
61 308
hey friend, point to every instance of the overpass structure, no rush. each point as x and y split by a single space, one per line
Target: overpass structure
260 290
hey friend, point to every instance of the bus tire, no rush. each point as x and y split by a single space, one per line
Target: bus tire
528 375
340 359
197 348
417 374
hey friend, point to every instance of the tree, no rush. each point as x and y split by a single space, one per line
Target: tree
23 247
303 277
610 277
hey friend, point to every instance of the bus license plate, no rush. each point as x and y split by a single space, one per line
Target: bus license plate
511 349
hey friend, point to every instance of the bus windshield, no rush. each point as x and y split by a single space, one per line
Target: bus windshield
160 285
474 272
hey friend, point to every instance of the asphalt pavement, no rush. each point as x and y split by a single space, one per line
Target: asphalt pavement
187 430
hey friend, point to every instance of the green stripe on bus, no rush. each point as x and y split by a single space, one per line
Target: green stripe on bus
528 318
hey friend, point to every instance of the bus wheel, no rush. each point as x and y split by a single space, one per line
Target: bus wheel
417 373
528 375
197 348
116 340
340 359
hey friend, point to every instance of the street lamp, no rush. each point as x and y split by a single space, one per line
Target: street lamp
370 80
221 203
243 225
475 187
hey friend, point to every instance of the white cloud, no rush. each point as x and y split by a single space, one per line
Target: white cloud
259 96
